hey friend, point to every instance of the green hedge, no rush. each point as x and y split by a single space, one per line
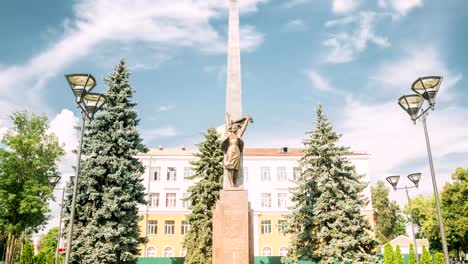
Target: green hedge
257 260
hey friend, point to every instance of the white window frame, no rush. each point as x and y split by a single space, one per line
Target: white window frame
184 227
267 249
171 201
185 204
153 253
188 172
283 251
297 171
265 227
156 174
265 200
282 174
168 252
265 174
171 174
153 200
282 226
169 226
183 252
283 200
152 227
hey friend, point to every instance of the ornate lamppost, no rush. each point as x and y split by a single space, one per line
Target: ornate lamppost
414 177
426 88
88 103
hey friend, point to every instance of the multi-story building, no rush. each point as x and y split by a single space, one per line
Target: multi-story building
269 174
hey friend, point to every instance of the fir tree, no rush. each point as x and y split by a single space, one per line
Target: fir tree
208 175
412 255
398 257
326 222
426 256
110 185
389 255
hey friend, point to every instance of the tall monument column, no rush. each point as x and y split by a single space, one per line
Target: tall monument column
232 216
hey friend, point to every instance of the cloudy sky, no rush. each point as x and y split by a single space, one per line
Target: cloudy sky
356 57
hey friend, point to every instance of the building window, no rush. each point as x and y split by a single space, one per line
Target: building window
183 252
153 200
188 172
245 170
283 251
282 175
184 227
266 227
169 227
266 200
156 173
168 252
297 173
266 174
152 227
282 200
282 226
266 251
170 200
151 252
185 203
171 174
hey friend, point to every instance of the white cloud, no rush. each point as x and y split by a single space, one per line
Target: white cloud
346 43
318 81
165 22
398 75
402 7
344 6
397 146
155 133
294 3
294 25
165 108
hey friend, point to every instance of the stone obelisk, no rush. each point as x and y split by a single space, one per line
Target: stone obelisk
232 216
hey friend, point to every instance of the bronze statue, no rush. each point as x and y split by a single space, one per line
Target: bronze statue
233 146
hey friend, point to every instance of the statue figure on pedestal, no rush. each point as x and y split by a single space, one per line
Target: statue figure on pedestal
233 146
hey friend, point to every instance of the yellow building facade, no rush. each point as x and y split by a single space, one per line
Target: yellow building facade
269 174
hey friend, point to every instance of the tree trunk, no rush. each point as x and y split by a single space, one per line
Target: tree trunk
10 255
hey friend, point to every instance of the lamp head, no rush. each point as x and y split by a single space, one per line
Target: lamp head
393 180
415 177
93 102
411 104
81 84
53 180
427 87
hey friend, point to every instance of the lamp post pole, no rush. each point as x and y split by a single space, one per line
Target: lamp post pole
75 189
436 192
412 225
59 235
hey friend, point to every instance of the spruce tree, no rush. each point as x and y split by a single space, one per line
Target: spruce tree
27 256
208 178
439 258
110 185
398 257
412 255
389 255
425 256
326 221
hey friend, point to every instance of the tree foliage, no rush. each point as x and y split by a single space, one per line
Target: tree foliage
439 258
29 156
27 256
389 220
412 255
110 187
426 256
326 222
208 177
388 254
398 257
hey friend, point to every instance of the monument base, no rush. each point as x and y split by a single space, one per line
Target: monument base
232 228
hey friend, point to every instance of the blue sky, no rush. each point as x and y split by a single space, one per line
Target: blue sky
356 57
